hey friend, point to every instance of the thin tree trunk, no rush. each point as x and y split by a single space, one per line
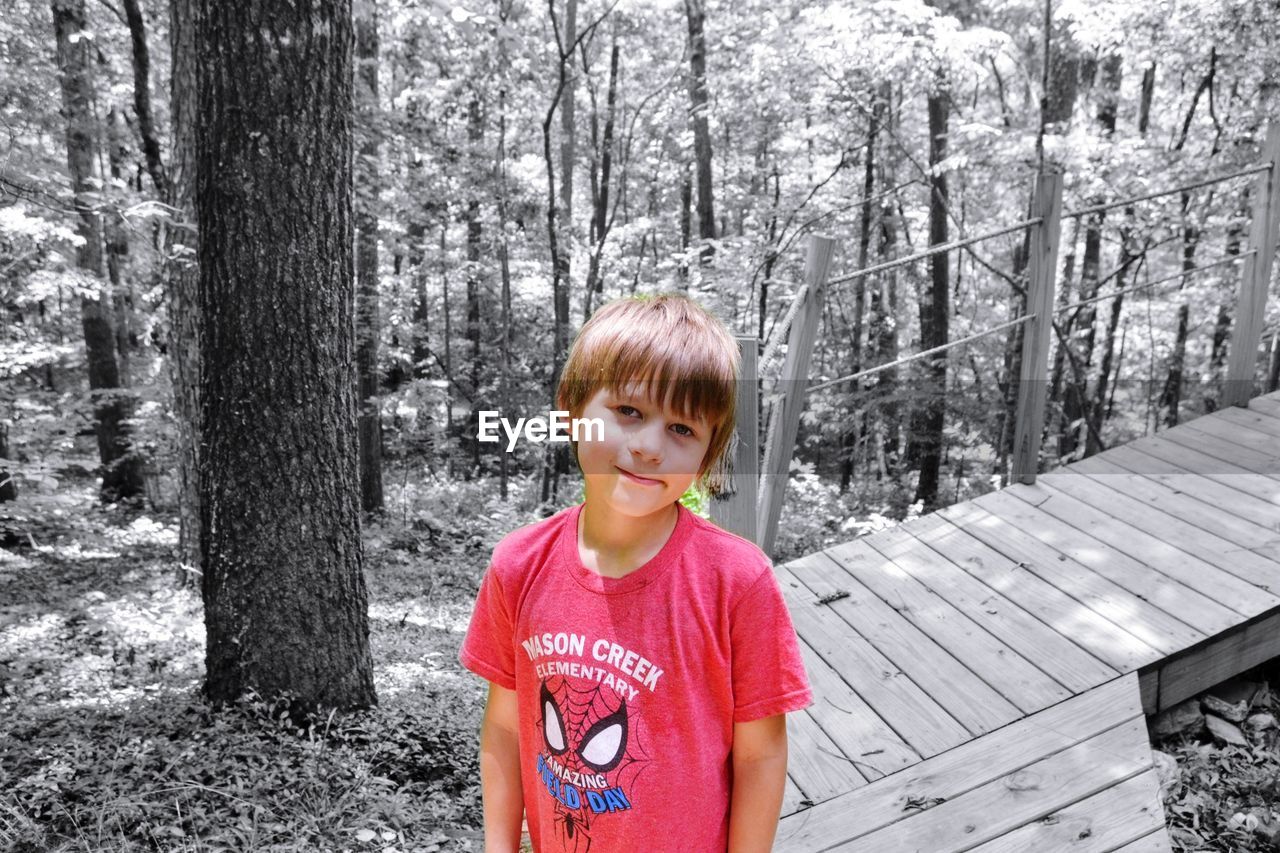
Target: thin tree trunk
600 222
475 134
851 434
1222 325
121 466
695 13
181 244
142 95
8 483
117 245
925 448
286 608
368 322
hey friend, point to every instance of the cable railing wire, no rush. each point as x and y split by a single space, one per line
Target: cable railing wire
919 355
931 251
1180 274
1099 208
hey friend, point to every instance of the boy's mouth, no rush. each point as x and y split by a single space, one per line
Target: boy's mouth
636 478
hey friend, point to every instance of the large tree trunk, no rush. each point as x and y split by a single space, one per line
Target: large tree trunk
927 419
368 326
286 607
121 466
695 12
182 273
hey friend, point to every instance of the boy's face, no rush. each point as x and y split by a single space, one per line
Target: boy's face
649 454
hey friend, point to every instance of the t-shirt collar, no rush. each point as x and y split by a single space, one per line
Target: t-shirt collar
667 555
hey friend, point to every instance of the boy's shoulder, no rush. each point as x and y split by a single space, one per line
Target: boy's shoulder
531 541
739 560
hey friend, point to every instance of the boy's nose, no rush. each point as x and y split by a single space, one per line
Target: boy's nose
646 445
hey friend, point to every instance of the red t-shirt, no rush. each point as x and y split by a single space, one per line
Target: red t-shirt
628 688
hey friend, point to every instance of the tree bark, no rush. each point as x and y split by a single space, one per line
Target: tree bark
181 271
475 135
117 246
142 96
8 482
286 608
695 13
601 221
852 432
121 466
927 419
368 323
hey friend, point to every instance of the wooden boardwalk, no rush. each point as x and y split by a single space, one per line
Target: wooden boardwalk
981 684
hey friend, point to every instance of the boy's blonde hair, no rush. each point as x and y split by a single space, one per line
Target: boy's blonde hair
684 355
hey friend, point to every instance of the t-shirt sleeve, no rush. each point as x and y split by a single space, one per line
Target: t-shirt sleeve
768 672
488 650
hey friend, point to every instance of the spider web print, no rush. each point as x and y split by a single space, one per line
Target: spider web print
581 709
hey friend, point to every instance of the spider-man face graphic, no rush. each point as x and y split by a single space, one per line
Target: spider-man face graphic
593 756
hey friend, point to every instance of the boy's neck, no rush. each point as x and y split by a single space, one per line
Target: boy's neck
614 545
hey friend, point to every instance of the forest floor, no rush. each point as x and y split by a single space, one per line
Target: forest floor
105 743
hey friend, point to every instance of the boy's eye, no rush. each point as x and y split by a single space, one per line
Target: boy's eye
688 433
626 410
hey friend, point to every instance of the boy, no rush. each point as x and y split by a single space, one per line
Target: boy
641 659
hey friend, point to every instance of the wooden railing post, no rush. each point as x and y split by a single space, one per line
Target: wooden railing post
735 509
1251 292
792 386
1033 382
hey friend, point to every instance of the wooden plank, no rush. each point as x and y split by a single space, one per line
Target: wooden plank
1092 525
792 796
1197 591
1149 687
1038 330
1030 794
816 763
1265 445
1134 527
1255 278
950 775
930 665
1156 842
735 509
913 716
1269 406
1220 471
1251 420
1108 642
1090 591
1197 501
1207 491
795 376
980 651
849 722
1186 510
1181 502
1219 448
1054 550
1052 653
1201 668
1109 819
